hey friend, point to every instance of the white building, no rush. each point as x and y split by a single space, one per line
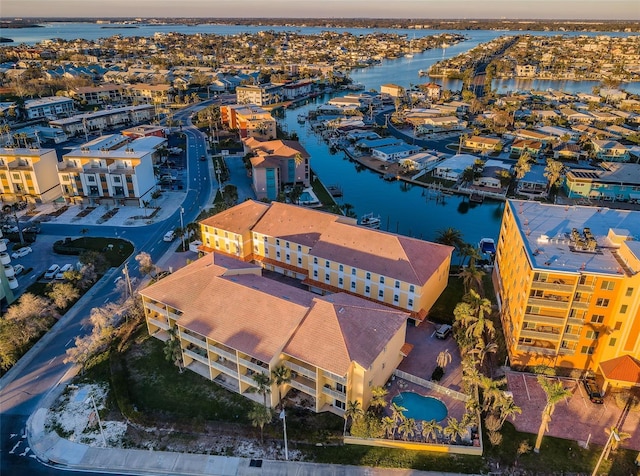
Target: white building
49 107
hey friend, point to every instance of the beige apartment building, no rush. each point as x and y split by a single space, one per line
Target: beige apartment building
29 174
232 323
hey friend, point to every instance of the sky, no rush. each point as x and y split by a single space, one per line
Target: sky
436 9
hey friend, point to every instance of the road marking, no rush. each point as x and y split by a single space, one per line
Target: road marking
82 328
68 342
14 448
25 451
51 361
106 301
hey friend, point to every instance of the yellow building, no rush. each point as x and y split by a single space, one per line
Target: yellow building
29 174
568 285
233 323
330 253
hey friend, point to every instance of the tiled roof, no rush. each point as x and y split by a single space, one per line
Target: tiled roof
341 328
623 369
238 219
407 259
294 223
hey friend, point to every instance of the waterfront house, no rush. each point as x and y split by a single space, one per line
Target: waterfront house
453 167
534 183
609 150
393 153
568 151
520 146
390 90
367 145
232 323
28 174
611 181
482 144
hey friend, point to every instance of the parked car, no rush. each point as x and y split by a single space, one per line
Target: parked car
52 271
443 331
18 269
32 229
203 158
169 236
593 391
62 270
10 229
24 251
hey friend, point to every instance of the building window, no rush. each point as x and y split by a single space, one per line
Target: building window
353 285
411 288
266 239
327 277
287 257
368 276
623 309
353 271
315 273
612 342
340 404
381 294
367 289
395 298
397 284
608 285
286 244
602 302
410 303
315 260
277 254
587 350
599 318
629 292
593 335
327 264
255 248
340 281
300 261
381 279
618 326
340 268
299 248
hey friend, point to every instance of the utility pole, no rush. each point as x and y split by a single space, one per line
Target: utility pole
283 417
125 271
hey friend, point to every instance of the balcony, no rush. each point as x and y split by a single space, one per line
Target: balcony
196 356
253 365
161 324
334 377
576 321
544 319
536 350
572 337
551 302
222 353
225 367
155 307
580 305
303 385
563 351
551 336
308 373
334 394
194 340
556 285
585 288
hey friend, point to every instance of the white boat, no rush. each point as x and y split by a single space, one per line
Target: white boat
487 246
370 221
302 118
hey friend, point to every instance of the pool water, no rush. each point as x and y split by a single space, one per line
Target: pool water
305 197
421 408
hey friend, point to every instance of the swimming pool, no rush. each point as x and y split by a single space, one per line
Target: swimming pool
421 408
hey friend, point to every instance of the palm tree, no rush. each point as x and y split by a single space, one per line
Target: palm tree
508 408
491 391
454 429
145 204
396 412
555 392
615 438
450 237
388 426
482 349
263 385
172 349
523 165
407 428
281 376
353 411
472 278
379 397
553 172
430 430
443 359
260 415
478 323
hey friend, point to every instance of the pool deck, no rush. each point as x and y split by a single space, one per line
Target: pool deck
421 362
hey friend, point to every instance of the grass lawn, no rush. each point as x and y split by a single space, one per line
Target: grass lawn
115 254
442 310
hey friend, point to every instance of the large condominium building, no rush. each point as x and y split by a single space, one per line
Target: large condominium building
261 94
97 121
330 253
277 163
49 107
250 121
111 170
232 323
29 174
568 283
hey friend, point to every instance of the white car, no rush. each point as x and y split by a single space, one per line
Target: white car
169 236
21 252
64 269
18 269
52 271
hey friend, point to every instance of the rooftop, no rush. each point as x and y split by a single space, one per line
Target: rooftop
549 234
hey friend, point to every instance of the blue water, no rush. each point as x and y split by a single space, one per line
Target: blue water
305 197
421 408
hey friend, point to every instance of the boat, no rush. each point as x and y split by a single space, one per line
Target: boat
370 221
487 246
301 118
409 55
476 197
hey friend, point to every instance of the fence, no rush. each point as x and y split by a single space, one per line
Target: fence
431 385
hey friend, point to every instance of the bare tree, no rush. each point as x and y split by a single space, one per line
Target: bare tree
62 294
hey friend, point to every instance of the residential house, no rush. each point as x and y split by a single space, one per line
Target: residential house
112 170
567 151
611 181
394 153
566 280
145 130
29 174
392 91
275 164
575 117
534 184
49 107
610 151
482 144
250 121
526 70
520 146
453 167
232 323
432 90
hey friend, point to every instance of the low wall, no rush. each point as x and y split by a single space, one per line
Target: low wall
414 446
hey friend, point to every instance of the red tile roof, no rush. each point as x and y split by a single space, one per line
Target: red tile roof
238 219
623 369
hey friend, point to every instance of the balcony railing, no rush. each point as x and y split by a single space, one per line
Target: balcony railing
549 302
311 374
544 319
571 337
224 369
155 307
222 353
552 286
303 388
542 335
334 377
334 394
536 350
196 356
161 324
252 365
576 321
580 305
585 288
193 339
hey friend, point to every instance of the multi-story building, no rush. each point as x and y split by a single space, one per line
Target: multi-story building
232 324
8 281
610 151
330 253
49 107
250 121
29 174
277 163
111 170
612 181
157 94
99 121
260 94
102 94
567 280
